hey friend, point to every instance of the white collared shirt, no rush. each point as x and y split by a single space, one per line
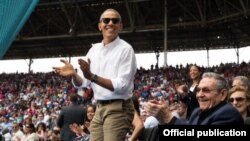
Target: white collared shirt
115 61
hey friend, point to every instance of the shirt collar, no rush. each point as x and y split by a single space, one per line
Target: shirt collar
113 43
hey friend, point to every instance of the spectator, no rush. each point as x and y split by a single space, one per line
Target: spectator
241 81
54 135
16 132
41 131
29 133
69 115
90 115
239 97
6 134
213 108
41 120
82 131
192 103
6 123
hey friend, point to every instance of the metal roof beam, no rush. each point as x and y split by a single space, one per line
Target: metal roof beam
70 1
201 14
235 7
129 15
67 16
185 9
243 7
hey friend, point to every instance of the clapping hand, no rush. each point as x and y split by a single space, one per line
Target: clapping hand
66 70
85 67
159 109
76 129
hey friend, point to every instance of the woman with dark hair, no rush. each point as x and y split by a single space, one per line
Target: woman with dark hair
83 132
90 114
41 131
195 74
29 133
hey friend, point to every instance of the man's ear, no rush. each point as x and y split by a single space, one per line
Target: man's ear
99 26
224 93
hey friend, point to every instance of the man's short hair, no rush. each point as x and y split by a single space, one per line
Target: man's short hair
244 80
221 81
113 10
73 98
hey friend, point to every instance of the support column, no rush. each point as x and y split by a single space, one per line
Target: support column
207 56
30 63
237 54
165 34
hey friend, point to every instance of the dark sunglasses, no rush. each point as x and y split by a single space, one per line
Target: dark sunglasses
107 20
238 99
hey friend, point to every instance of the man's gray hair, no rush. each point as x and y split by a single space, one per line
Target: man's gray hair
221 81
244 80
113 10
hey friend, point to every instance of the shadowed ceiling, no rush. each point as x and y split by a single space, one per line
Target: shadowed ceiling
65 28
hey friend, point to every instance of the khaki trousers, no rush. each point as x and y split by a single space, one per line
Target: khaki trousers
112 121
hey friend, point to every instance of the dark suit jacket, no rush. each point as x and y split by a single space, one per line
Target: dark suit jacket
247 121
69 115
222 114
149 134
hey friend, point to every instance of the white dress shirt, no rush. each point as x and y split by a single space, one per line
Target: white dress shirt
115 61
17 135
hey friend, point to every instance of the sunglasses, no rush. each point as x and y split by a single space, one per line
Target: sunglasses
238 99
107 20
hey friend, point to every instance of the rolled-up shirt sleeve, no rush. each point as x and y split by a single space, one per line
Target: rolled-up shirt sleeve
126 71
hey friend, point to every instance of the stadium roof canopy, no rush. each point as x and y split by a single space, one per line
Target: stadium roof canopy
63 28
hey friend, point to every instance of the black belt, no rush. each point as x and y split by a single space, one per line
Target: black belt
108 101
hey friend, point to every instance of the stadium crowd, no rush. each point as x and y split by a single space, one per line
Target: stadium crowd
30 103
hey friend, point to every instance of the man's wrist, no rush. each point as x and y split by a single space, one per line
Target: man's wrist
165 117
169 119
94 78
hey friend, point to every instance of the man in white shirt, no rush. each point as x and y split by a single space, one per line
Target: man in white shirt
16 132
6 134
110 71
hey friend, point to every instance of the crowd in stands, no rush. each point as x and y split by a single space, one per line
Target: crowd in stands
30 102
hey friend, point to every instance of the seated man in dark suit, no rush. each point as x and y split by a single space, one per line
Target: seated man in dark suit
213 109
